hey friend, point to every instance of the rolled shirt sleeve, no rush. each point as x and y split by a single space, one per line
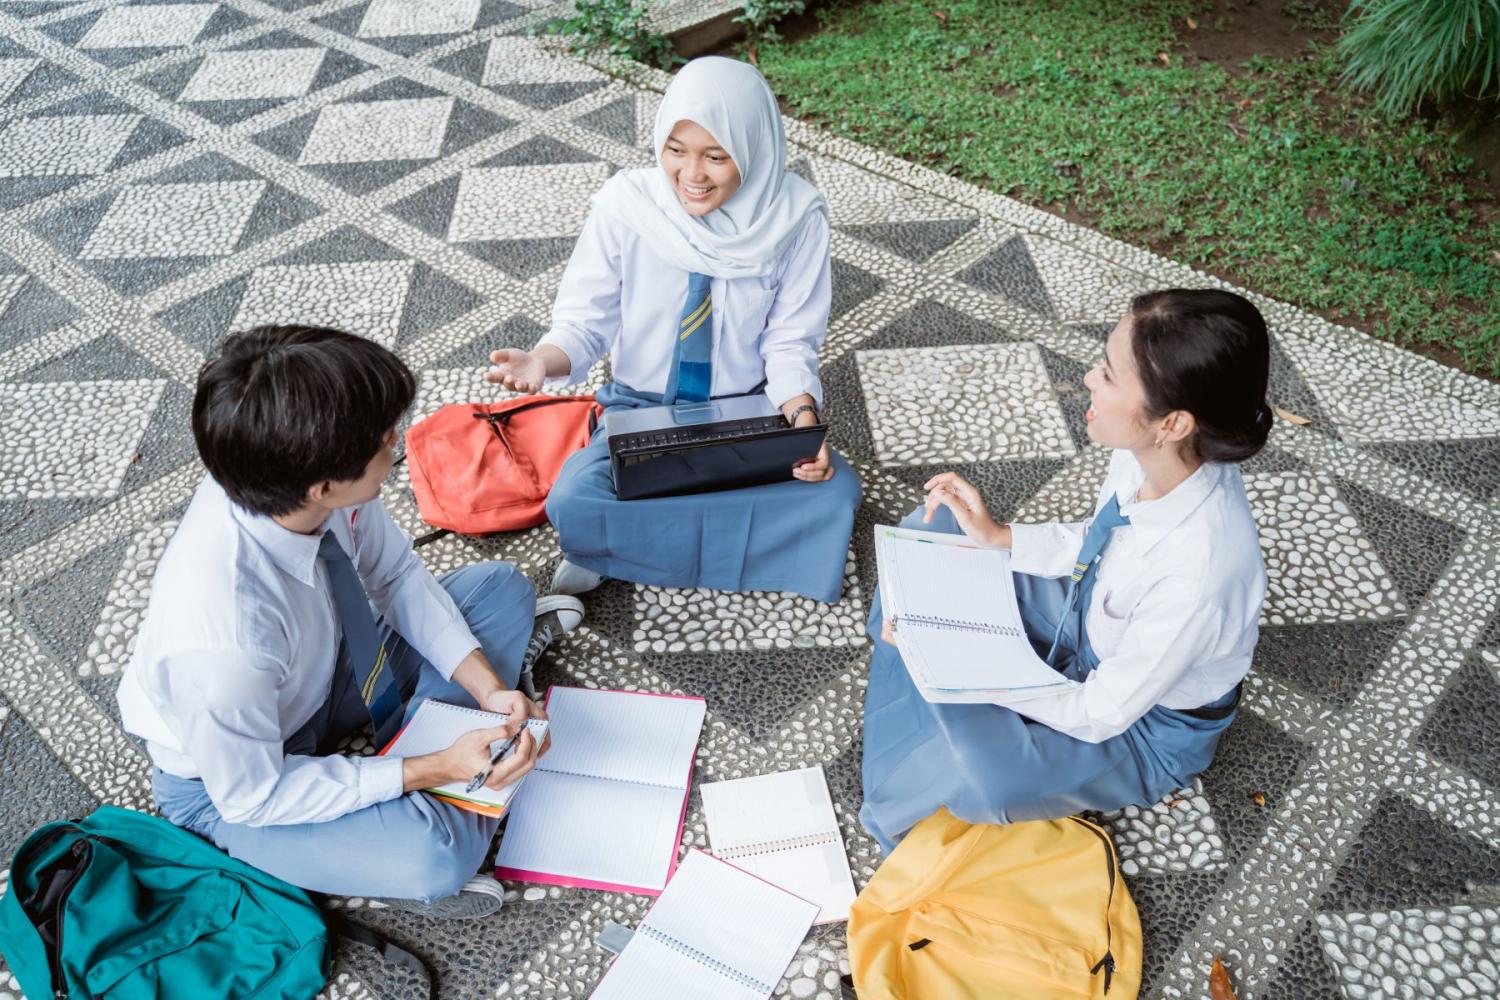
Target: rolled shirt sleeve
798 320
1173 628
406 593
226 715
1046 549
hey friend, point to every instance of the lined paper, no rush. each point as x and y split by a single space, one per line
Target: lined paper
712 918
600 831
781 827
433 728
623 736
933 575
604 807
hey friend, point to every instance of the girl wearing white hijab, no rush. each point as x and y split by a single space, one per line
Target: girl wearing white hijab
720 240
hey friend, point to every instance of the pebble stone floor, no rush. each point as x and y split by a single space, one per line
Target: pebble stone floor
417 172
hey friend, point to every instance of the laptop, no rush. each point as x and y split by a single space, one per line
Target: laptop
722 444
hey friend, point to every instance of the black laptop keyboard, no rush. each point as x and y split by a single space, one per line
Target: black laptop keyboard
679 437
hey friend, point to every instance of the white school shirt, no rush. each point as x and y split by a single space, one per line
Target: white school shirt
1175 610
238 647
619 298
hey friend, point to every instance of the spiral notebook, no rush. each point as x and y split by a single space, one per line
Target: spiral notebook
434 726
957 621
716 933
781 827
604 808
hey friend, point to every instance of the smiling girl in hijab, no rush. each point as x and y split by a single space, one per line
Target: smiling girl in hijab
718 237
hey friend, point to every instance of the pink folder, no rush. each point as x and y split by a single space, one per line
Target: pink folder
670 850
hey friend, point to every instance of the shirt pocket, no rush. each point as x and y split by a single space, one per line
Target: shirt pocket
1107 620
748 307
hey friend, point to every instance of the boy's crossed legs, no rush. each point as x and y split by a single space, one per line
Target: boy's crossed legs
409 848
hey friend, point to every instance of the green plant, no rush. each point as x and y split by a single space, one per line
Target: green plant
1268 173
759 18
615 28
1405 50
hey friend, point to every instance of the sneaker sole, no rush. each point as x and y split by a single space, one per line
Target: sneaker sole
469 903
559 602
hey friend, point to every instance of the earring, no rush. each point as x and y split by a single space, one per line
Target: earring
1159 442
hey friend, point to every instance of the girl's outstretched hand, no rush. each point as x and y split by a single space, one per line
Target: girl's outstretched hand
949 489
518 370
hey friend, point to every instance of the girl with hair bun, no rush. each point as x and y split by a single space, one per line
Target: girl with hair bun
1152 605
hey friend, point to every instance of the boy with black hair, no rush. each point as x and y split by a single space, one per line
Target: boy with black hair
289 611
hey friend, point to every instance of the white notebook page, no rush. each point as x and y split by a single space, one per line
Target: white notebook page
622 735
615 832
650 970
781 827
436 724
931 574
730 919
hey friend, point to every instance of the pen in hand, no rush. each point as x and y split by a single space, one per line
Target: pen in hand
484 775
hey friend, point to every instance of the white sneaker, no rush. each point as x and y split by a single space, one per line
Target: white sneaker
574 579
478 897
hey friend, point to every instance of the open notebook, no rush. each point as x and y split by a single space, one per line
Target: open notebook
781 828
434 726
958 625
716 933
604 808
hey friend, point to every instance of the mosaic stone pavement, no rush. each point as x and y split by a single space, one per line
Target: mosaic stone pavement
417 172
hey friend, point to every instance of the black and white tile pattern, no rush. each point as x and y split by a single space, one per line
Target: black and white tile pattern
418 173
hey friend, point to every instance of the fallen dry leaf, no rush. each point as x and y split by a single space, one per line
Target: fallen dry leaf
1259 798
1192 25
135 459
1290 417
941 15
1218 982
1164 59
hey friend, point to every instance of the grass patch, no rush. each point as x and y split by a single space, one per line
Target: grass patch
1269 173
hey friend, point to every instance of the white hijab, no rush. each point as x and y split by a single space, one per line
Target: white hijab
748 234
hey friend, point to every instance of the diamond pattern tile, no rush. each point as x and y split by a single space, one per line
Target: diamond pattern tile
255 73
1320 566
505 203
366 297
962 404
1317 853
389 18
175 220
148 26
378 130
66 145
71 439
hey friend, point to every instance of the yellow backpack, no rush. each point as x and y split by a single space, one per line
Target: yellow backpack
959 911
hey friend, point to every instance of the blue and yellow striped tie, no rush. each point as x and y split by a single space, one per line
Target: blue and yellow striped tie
361 650
1086 567
694 375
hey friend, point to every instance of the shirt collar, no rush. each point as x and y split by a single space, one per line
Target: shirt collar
293 553
1154 519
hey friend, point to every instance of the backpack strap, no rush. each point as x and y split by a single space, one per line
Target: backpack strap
430 537
388 950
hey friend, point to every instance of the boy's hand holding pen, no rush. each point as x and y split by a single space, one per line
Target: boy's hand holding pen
483 776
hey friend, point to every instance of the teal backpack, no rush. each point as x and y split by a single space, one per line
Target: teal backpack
127 906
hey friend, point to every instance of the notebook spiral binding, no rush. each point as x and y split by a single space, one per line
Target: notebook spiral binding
957 625
705 960
772 846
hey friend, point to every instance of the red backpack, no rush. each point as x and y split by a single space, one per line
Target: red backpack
478 468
